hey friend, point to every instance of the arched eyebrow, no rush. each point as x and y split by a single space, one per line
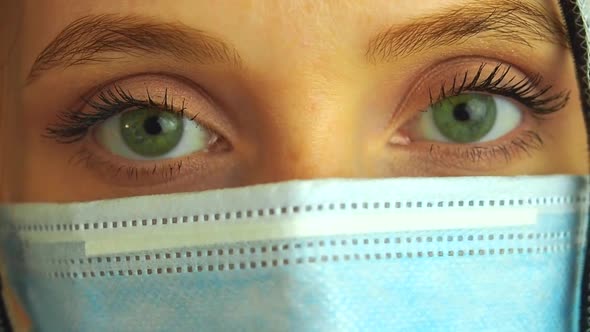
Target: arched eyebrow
515 21
102 38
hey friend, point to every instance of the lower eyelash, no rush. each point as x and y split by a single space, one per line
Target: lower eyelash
165 170
466 156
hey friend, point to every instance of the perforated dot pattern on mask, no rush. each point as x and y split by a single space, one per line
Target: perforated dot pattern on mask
268 212
310 260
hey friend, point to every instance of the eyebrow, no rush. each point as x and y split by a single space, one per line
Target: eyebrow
102 38
514 21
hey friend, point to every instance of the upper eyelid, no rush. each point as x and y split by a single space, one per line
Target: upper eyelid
186 85
73 125
120 97
429 79
531 91
189 98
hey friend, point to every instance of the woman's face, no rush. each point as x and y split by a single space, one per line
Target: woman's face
109 99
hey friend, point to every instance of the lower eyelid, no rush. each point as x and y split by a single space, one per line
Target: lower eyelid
152 173
484 157
487 156
125 172
113 168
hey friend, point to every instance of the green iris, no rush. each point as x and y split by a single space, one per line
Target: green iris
465 118
151 132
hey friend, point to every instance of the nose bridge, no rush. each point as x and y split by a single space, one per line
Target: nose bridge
315 135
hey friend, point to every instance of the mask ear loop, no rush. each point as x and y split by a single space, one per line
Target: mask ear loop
5 325
579 45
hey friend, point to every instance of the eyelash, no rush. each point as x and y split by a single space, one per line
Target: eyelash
526 90
72 126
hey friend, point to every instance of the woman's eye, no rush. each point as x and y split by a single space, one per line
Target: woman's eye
469 118
151 133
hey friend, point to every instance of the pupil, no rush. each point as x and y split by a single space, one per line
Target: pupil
152 125
461 112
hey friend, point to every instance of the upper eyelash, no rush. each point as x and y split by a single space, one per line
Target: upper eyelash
72 126
525 90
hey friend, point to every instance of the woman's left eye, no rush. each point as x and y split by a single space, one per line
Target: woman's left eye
151 133
469 118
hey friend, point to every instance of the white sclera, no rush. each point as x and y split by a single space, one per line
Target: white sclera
194 138
508 117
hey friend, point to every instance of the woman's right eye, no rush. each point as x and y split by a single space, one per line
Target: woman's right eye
147 130
149 133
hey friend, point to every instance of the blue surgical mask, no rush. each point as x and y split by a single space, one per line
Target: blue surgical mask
440 254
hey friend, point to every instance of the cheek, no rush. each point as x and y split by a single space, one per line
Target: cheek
567 145
566 134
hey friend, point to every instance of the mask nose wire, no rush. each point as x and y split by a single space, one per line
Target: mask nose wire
578 38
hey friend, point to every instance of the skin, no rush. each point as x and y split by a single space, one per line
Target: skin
304 104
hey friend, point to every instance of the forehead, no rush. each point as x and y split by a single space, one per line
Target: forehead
295 11
292 9
265 18
264 27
